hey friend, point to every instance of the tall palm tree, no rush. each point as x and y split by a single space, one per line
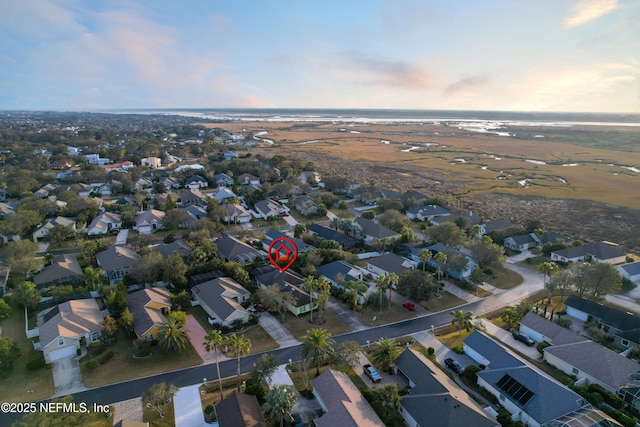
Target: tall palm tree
441 259
425 255
475 230
279 403
239 346
317 344
381 283
547 268
212 342
308 285
324 289
173 336
93 276
392 280
462 319
385 352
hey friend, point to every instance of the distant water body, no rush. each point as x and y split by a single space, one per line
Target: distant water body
513 118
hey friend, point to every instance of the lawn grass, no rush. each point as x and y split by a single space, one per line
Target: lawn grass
20 380
505 279
450 337
299 326
210 393
447 301
534 262
388 315
122 366
151 416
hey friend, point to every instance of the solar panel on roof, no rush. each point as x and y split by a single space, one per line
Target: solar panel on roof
514 389
51 313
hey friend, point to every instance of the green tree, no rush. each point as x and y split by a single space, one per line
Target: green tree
158 395
275 299
522 309
126 320
115 297
324 289
385 352
381 283
601 279
27 295
173 336
279 403
5 309
149 268
547 268
447 233
21 256
299 230
9 353
109 328
384 400
266 365
239 347
309 285
509 317
462 320
60 233
440 259
318 345
392 281
347 355
343 205
182 299
425 256
178 316
174 270
416 285
213 342
355 288
93 276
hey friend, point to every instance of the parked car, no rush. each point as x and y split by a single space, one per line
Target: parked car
259 306
454 365
372 373
409 306
523 338
285 214
297 420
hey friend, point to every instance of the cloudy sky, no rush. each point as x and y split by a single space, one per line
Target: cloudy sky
532 55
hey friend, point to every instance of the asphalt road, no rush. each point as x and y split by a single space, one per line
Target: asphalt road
189 376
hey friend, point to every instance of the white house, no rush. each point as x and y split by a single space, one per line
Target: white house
149 221
221 299
152 162
103 223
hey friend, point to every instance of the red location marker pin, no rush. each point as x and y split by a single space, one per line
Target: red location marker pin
282 253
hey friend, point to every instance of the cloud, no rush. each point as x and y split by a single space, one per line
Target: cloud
467 84
587 10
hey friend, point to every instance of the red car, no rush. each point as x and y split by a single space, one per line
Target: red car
259 307
409 306
285 214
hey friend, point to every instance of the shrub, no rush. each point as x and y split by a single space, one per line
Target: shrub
471 373
106 357
541 346
431 351
458 349
92 365
36 364
208 409
487 395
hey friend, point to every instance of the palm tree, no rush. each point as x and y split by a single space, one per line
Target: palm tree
462 319
317 343
392 280
385 352
441 259
280 401
381 282
239 346
475 230
547 268
324 289
212 342
309 285
93 276
173 336
510 317
425 255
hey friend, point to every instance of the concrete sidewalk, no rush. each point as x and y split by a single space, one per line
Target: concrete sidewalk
187 407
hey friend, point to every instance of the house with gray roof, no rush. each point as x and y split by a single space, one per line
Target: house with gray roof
48 224
149 221
149 308
609 319
305 205
104 223
239 410
342 269
553 238
522 242
248 179
426 212
192 197
221 299
468 218
223 194
64 270
196 182
597 252
236 213
117 261
389 263
178 246
345 242
372 231
273 234
433 398
232 249
496 225
223 180
269 208
288 282
459 265
630 271
485 351
541 329
342 402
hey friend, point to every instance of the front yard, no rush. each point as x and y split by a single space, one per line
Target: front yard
372 316
23 385
121 366
504 279
299 326
447 301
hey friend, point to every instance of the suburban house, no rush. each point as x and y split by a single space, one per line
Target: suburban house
116 261
151 162
337 269
119 167
288 282
236 214
221 298
459 265
433 398
170 182
592 362
522 242
67 326
229 155
305 205
310 177
273 234
223 194
192 197
325 233
48 224
149 308
84 190
496 225
195 213
178 246
248 179
269 208
389 263
64 270
630 271
223 180
232 249
372 231
149 221
541 329
414 198
103 223
598 252
611 320
427 212
521 390
552 237
95 159
342 402
239 410
196 182
468 218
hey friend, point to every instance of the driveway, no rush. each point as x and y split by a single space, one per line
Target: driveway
346 316
386 377
307 408
187 407
277 331
196 336
66 376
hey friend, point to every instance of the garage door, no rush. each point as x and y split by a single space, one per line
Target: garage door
62 353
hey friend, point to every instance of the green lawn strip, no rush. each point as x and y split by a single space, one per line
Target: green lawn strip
450 337
299 326
534 262
388 315
504 279
122 366
20 380
447 301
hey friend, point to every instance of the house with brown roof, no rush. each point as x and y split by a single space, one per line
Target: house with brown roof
269 208
236 214
149 221
193 197
221 298
116 261
232 249
64 270
67 326
239 410
48 224
103 223
342 402
372 231
149 308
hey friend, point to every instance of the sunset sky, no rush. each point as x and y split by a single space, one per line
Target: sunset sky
531 55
